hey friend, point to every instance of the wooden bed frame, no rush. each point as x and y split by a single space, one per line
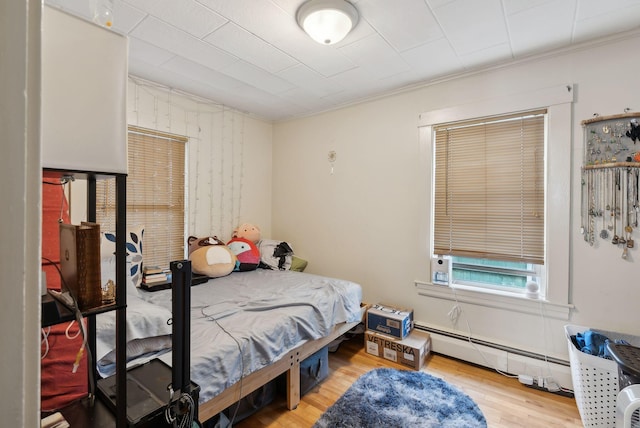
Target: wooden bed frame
289 363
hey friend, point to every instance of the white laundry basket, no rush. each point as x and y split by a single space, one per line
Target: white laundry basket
595 380
629 407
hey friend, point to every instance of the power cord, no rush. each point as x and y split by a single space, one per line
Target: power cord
82 330
181 413
454 315
45 341
548 382
212 318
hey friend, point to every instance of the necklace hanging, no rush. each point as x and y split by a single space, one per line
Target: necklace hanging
592 207
614 208
630 185
604 234
623 204
583 204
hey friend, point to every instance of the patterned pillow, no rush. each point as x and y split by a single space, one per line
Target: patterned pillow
275 255
134 256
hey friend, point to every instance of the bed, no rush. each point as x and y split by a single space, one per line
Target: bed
247 328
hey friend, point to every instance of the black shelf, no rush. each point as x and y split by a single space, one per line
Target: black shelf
54 312
83 413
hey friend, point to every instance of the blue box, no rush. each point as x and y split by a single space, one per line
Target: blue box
395 322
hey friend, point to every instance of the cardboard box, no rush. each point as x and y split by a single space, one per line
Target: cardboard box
410 351
396 322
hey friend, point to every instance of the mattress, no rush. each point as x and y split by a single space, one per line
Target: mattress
240 323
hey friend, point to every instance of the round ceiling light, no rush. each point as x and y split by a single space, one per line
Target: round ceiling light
327 21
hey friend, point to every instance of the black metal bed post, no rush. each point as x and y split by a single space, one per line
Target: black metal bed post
181 326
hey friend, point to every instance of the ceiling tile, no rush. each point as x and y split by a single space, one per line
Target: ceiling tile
594 20
250 48
257 77
494 55
515 6
161 34
375 55
189 15
472 25
312 82
411 24
434 59
147 53
545 26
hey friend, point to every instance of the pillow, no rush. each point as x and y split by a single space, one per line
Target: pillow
134 257
275 254
298 264
148 331
246 252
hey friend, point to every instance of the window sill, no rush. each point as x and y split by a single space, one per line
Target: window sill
495 299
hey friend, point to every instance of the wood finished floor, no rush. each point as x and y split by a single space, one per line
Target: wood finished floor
504 401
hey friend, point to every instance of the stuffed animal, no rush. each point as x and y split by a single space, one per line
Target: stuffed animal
211 257
247 231
246 252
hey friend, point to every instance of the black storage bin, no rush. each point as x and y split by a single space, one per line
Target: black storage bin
252 402
314 370
628 359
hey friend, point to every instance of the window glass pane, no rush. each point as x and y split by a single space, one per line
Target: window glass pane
503 273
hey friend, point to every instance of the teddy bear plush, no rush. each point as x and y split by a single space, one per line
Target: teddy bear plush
247 231
211 257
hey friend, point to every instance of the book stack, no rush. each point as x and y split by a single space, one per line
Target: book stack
153 276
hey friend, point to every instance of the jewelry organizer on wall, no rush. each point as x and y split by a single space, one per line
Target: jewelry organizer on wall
610 179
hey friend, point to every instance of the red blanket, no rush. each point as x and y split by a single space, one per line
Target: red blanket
59 385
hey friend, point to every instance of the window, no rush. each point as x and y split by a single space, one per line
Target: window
155 194
489 196
554 277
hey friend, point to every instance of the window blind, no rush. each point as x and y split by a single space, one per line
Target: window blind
155 194
489 188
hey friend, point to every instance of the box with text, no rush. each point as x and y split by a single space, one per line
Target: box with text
396 322
410 351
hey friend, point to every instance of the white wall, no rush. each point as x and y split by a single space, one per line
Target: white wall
229 155
20 177
365 221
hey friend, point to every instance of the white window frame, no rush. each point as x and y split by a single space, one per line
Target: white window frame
558 102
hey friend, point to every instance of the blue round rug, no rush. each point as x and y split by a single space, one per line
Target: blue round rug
400 398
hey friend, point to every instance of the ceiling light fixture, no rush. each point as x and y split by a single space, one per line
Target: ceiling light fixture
327 21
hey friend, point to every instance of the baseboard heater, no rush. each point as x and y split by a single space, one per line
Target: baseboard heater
507 359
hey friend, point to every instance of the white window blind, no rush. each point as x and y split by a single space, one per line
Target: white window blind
489 188
155 194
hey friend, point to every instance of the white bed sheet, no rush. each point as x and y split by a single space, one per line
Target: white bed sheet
262 314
